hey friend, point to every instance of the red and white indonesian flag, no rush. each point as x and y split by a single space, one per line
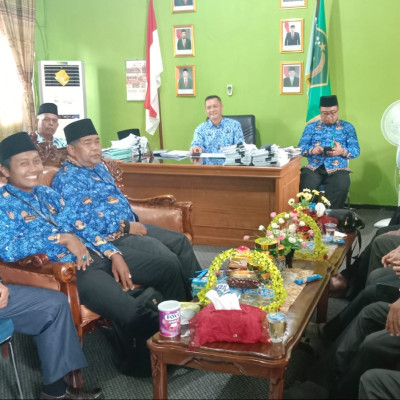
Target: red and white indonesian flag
154 68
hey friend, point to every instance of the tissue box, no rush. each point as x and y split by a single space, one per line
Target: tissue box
244 326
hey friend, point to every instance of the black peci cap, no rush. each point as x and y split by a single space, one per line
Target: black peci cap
79 129
49 108
328 101
15 144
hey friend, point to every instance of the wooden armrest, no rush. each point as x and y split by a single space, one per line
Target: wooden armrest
37 271
35 260
163 200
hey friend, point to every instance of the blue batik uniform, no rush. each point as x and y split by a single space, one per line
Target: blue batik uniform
57 141
212 137
98 207
330 173
162 258
24 232
318 134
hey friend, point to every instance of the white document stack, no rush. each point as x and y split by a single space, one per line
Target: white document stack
238 154
130 148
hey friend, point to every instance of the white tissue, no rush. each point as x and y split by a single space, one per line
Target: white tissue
339 234
228 301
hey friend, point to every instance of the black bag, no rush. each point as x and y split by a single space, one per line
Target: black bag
132 357
349 220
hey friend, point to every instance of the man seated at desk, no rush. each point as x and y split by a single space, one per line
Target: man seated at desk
328 144
217 131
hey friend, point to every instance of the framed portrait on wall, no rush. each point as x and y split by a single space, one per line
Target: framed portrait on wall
292 35
185 79
136 82
179 6
183 40
292 77
293 3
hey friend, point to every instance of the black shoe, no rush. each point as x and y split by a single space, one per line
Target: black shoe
76 394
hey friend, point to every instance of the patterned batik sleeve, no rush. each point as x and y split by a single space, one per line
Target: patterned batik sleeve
198 137
306 140
84 214
238 136
22 233
353 148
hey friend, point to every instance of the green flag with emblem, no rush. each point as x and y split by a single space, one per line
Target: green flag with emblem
317 72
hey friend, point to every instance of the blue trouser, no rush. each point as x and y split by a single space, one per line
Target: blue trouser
45 314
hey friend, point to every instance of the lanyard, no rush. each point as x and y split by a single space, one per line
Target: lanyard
48 219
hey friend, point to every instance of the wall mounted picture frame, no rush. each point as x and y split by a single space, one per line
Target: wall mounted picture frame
136 82
185 80
292 77
292 35
293 3
181 6
183 40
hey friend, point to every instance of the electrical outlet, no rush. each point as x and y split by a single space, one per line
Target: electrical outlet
229 90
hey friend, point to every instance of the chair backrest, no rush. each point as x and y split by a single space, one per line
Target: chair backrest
248 123
125 133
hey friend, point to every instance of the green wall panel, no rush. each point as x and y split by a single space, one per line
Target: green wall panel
236 42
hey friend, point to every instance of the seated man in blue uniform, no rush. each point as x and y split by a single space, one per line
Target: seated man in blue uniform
217 131
328 144
47 124
26 229
132 252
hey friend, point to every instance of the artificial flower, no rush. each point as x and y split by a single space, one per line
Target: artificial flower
320 209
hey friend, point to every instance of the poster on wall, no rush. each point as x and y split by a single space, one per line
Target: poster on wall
136 82
293 3
183 6
291 77
183 36
185 78
292 32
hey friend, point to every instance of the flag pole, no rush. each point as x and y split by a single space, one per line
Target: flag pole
160 125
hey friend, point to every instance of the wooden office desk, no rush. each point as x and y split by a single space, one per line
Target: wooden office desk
228 201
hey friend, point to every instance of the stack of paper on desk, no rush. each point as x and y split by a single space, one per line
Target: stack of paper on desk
238 154
270 156
127 148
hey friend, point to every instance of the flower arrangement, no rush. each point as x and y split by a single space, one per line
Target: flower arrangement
311 231
295 228
266 265
307 199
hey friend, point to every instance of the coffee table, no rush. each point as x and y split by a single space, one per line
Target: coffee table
261 360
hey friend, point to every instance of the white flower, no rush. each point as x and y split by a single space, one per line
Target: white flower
320 209
292 228
292 240
302 223
291 202
261 228
287 216
281 220
274 225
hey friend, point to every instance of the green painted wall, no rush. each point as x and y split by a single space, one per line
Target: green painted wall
236 42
